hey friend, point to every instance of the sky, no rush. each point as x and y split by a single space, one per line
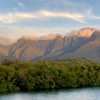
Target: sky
42 17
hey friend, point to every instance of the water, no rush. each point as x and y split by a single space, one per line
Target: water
89 93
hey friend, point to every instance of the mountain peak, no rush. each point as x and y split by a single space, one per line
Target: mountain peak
26 37
74 37
43 37
72 33
59 38
96 34
87 32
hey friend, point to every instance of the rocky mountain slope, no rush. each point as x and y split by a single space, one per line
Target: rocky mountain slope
57 48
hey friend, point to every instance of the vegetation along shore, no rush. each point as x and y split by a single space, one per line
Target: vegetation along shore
23 76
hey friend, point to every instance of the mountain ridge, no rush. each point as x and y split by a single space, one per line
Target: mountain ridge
57 48
85 32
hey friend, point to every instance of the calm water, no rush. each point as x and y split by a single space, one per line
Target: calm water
90 93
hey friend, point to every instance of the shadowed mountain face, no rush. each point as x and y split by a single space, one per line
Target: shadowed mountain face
34 50
58 48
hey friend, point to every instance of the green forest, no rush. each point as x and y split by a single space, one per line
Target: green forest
23 76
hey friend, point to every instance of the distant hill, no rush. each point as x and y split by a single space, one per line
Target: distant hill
6 41
71 47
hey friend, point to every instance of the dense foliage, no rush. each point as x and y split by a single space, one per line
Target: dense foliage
81 60
16 75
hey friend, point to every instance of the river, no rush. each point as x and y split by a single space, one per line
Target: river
86 93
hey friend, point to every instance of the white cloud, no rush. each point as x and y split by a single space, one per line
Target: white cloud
41 15
45 14
21 5
89 15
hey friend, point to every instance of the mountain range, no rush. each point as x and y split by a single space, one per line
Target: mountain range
76 44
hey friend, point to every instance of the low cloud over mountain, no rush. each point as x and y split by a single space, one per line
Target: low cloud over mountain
85 32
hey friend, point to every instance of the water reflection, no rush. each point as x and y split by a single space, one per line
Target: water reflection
86 93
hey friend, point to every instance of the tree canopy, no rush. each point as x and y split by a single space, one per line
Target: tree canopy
16 75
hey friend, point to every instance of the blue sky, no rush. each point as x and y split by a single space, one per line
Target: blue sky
41 17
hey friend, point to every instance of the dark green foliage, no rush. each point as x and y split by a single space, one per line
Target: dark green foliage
8 62
16 75
81 60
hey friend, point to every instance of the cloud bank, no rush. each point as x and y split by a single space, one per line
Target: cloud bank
85 32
